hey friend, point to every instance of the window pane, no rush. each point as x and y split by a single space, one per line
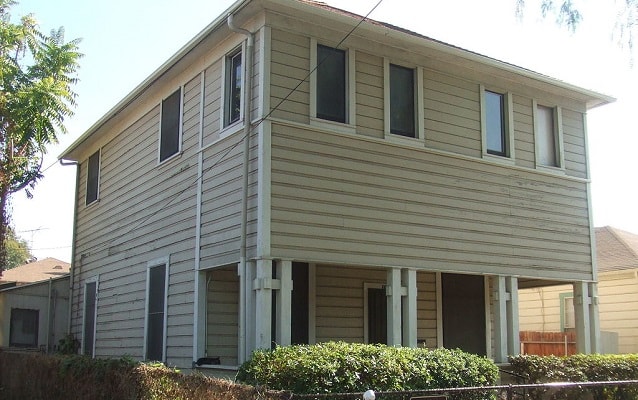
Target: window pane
23 328
89 319
155 327
169 131
402 101
570 316
331 84
546 136
494 123
233 93
93 177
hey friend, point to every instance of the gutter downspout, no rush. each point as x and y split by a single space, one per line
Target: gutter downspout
48 330
73 233
247 87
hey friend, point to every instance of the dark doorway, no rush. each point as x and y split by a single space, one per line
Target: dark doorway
464 312
377 316
299 307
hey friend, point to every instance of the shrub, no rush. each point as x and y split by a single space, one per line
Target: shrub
338 367
580 368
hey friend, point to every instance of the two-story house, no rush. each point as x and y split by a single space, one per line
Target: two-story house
287 178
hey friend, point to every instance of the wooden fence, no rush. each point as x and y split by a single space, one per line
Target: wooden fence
548 343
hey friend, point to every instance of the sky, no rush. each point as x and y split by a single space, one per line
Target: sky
124 41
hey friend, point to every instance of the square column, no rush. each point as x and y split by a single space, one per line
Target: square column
513 331
594 321
393 293
581 311
500 297
284 300
408 278
262 285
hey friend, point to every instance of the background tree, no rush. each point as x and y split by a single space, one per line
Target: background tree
37 73
17 249
568 14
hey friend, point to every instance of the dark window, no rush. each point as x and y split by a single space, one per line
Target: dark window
93 178
155 327
233 88
495 123
169 130
90 297
377 316
23 328
402 101
331 84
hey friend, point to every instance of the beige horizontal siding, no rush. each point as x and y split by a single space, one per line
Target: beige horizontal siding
524 132
369 94
575 144
426 309
223 314
335 197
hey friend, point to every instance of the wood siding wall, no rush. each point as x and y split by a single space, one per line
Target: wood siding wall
222 315
365 200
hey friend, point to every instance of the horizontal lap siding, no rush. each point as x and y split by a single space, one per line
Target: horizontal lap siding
341 198
575 144
426 309
619 309
452 114
222 314
145 212
290 65
369 94
524 132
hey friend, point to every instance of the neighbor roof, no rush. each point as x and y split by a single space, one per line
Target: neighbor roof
616 249
36 271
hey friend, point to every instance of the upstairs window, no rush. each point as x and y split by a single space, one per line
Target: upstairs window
233 88
548 136
495 123
402 120
170 128
331 84
93 178
156 290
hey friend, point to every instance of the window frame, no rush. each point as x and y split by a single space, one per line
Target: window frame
419 135
98 153
180 128
160 262
559 149
12 327
95 280
228 70
508 126
349 126
563 311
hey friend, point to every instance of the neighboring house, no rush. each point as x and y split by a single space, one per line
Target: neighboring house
551 309
34 305
396 190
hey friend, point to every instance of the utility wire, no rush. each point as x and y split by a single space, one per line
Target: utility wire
223 156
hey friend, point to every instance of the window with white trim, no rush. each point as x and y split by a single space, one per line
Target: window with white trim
548 135
233 82
497 131
93 178
171 125
402 96
156 306
568 315
90 316
332 85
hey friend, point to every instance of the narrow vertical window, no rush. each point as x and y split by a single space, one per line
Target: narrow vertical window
233 88
402 121
495 124
156 313
170 125
546 136
93 178
331 84
568 316
90 305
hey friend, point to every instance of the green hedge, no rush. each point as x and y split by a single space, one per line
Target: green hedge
580 368
37 376
339 367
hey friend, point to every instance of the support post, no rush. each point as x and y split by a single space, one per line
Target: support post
284 300
409 317
262 285
513 335
500 296
594 321
581 312
393 293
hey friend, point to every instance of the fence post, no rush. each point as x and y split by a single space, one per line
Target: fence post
510 393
